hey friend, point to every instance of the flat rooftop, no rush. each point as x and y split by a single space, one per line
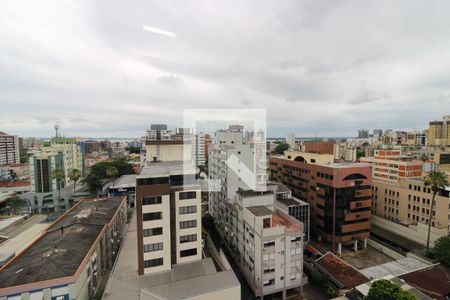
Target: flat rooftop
346 164
125 181
182 281
59 253
394 268
260 210
292 202
177 167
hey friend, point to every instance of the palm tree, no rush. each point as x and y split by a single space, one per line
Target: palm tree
436 180
93 182
112 172
74 176
58 175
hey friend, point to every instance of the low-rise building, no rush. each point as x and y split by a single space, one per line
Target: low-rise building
69 260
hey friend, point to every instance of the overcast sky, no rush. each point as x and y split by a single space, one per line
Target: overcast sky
325 68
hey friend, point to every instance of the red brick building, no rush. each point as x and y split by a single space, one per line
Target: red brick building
339 195
318 147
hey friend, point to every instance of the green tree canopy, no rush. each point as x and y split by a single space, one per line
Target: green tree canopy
281 147
122 166
93 182
442 250
386 290
132 149
436 180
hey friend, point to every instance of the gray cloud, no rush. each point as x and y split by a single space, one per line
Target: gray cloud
171 81
354 64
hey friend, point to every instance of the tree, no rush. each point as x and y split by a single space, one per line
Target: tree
112 172
58 175
281 147
442 250
93 182
424 157
15 202
436 180
74 176
386 290
121 164
135 150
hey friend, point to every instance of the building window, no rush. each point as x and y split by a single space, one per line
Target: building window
188 252
153 262
153 231
188 238
152 216
153 247
266 223
188 224
187 195
151 200
188 209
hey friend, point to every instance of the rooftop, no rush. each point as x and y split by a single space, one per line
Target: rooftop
347 164
182 281
177 167
292 201
59 252
345 274
260 210
125 181
433 281
395 268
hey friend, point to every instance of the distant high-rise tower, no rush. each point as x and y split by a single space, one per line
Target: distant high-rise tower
363 134
290 139
9 149
57 128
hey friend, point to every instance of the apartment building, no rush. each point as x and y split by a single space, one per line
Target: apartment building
265 242
290 139
62 154
9 149
439 132
440 159
231 158
294 207
168 209
199 148
408 202
345 152
339 194
392 165
70 259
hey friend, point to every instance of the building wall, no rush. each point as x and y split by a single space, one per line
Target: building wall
319 185
319 147
9 149
409 202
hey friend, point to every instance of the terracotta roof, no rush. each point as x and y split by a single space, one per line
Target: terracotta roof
433 281
14 183
345 274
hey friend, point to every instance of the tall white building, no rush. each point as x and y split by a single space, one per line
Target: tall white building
265 242
290 139
9 149
199 149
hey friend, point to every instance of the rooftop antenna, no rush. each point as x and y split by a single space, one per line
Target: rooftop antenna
57 128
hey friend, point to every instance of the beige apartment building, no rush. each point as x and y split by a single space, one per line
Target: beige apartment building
408 203
393 166
439 132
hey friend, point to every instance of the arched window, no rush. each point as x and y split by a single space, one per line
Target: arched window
355 176
300 159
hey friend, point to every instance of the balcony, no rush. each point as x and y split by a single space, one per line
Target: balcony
363 193
357 216
355 227
360 204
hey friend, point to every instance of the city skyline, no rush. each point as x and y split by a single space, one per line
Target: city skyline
102 69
